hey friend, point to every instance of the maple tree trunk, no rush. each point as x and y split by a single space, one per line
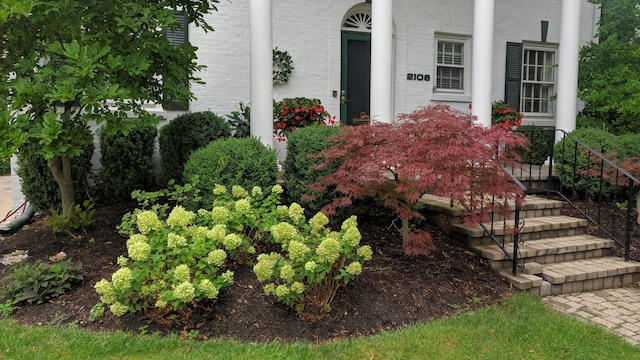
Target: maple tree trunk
405 232
61 170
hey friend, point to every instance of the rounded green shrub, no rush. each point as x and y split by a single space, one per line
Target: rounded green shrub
565 155
233 161
127 163
185 134
540 144
38 185
299 171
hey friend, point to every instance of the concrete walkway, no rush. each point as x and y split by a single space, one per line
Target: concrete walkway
615 309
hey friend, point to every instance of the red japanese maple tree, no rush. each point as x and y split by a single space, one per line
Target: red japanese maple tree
434 150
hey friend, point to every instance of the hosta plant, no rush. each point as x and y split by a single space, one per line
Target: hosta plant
313 263
172 263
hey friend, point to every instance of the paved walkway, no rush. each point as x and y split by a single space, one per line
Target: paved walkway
616 309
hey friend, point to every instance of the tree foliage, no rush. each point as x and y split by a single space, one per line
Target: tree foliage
66 63
609 77
434 150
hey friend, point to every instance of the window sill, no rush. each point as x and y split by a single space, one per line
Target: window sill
451 97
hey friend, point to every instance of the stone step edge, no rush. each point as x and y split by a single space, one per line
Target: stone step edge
442 204
587 269
530 225
544 247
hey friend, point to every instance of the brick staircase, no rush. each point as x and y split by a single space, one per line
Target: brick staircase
559 257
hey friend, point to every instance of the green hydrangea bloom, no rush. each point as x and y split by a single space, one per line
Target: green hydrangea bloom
209 290
182 273
318 222
365 252
161 304
217 233
310 266
284 232
351 222
287 272
256 191
296 213
355 268
220 214
282 290
216 257
118 309
264 267
243 206
148 221
297 251
138 250
282 210
184 291
219 190
175 241
239 192
270 289
297 287
232 241
227 276
276 189
328 250
106 291
121 279
122 261
180 217
352 236
197 232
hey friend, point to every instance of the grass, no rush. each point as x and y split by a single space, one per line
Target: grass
520 328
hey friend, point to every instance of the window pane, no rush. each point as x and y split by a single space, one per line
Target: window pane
538 79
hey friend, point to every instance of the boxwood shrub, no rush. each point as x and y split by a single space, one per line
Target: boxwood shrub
127 163
233 161
565 153
38 185
299 170
540 144
185 134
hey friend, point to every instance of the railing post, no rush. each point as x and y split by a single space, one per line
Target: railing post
516 238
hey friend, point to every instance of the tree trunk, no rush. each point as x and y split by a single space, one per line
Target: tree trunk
61 169
405 232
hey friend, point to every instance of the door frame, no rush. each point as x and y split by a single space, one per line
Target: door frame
345 36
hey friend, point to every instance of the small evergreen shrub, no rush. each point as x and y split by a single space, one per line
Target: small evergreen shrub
185 134
38 185
299 171
540 144
245 162
5 166
127 163
565 155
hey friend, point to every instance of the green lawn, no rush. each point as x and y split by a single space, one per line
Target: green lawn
521 328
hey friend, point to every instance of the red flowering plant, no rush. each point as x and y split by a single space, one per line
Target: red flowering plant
292 113
504 115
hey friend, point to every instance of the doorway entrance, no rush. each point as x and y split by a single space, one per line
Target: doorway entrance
356 76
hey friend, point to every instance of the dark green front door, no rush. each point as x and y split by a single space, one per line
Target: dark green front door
356 75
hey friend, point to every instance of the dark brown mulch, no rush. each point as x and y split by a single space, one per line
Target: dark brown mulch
393 290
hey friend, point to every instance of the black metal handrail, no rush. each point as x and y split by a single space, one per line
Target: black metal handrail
577 171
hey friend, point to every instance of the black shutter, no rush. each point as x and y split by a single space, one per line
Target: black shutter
177 37
513 75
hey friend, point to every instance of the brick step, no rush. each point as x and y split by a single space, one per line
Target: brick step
534 206
545 251
535 228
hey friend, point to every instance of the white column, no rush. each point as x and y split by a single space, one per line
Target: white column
381 59
261 72
568 58
482 60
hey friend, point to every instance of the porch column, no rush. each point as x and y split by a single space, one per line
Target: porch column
568 58
261 72
381 56
482 60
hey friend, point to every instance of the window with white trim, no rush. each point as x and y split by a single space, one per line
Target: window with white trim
538 80
452 63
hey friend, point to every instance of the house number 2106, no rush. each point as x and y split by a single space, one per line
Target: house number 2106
419 77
